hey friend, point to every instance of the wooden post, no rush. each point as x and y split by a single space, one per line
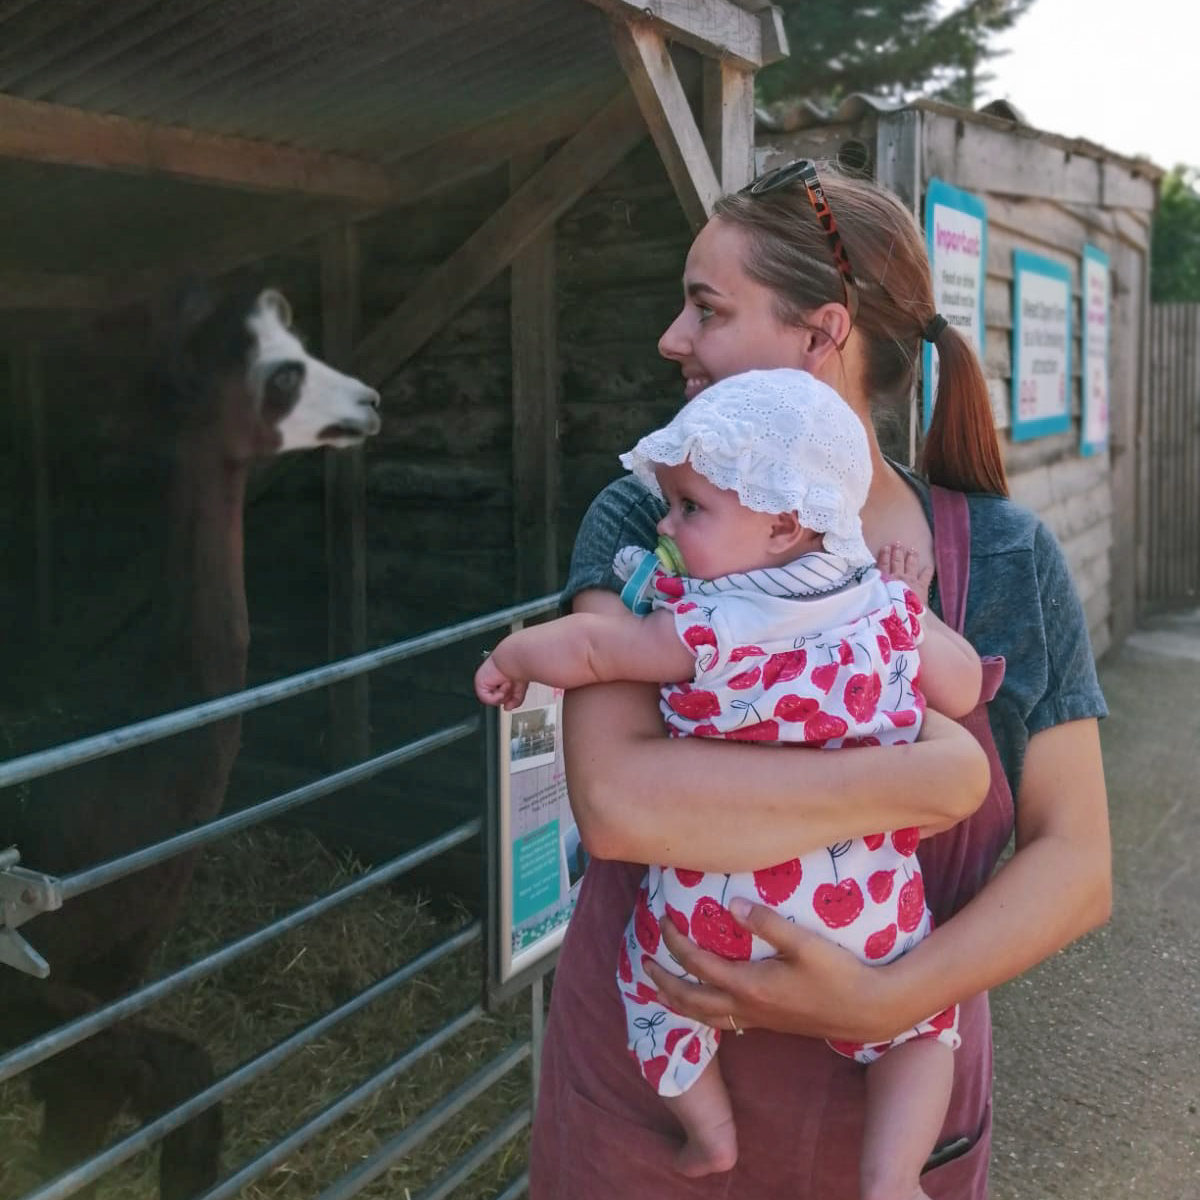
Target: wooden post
345 509
646 58
534 324
728 112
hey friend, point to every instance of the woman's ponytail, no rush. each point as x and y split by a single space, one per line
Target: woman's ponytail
962 450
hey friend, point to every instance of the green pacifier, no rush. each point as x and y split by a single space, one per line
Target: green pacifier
668 554
665 557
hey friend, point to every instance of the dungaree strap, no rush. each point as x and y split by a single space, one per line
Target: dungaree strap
952 563
952 553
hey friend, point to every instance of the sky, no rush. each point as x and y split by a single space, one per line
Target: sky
1125 75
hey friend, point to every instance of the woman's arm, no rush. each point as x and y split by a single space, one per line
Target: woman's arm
1056 887
724 806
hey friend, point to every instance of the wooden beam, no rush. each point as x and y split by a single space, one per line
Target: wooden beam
345 509
728 107
647 61
48 290
534 326
576 168
716 28
34 131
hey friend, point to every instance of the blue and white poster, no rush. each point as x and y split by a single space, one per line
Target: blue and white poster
1096 317
535 859
1041 347
956 236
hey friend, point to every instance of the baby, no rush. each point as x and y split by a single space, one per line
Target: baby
777 627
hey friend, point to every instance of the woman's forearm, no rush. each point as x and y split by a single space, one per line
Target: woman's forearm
642 797
1056 886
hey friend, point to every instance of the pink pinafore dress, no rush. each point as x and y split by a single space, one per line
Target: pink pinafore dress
602 1131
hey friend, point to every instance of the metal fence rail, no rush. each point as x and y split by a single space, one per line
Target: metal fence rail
40 1049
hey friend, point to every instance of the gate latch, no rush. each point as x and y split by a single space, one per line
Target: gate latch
23 894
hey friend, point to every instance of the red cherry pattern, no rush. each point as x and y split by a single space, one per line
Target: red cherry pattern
911 904
838 904
782 667
747 679
861 696
879 945
775 884
879 884
713 928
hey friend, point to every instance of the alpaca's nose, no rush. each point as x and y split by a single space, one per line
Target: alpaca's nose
370 398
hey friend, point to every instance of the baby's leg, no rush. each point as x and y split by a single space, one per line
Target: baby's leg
706 1115
908 1091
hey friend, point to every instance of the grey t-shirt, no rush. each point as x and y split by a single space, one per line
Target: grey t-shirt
1021 604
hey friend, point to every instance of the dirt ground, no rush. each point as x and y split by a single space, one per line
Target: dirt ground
1097 1081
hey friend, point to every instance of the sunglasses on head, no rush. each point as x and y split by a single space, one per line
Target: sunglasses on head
803 171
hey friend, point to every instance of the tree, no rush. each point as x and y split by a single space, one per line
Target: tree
1175 244
889 48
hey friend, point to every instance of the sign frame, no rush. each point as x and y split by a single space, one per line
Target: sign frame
940 194
1026 264
1094 259
527 891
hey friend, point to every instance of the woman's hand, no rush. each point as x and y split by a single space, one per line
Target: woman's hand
813 987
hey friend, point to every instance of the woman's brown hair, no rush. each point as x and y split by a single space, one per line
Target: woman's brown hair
790 254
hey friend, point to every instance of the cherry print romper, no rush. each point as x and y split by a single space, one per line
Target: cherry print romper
851 679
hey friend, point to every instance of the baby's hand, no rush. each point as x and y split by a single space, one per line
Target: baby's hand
492 686
903 563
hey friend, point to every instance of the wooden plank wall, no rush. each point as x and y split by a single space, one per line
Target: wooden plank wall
1171 574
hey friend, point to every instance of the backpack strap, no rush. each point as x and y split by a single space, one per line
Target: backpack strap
952 553
952 563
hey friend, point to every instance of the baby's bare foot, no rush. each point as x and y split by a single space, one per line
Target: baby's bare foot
904 563
709 1151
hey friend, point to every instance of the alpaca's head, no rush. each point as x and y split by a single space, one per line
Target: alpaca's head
236 367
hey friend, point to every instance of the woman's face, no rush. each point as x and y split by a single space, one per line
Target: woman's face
728 323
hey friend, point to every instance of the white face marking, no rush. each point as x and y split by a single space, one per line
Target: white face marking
332 409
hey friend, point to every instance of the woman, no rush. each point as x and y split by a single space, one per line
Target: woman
769 283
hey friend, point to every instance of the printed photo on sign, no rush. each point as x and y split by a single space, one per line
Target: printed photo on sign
1041 351
534 737
1097 305
956 237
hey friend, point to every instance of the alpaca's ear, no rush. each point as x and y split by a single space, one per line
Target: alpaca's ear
277 303
192 305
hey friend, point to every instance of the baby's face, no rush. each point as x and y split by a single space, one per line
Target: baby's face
716 534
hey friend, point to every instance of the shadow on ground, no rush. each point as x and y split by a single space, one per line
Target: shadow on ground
1097 1071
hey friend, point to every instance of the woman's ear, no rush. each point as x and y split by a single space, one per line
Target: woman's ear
826 329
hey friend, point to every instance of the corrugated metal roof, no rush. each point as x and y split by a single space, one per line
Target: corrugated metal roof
379 81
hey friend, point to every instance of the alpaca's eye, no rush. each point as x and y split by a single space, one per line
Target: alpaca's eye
286 379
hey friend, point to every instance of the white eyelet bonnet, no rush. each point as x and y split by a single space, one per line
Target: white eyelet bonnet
784 441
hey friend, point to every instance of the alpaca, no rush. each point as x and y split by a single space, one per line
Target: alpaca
241 387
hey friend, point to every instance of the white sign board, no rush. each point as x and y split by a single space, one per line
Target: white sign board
956 236
1096 316
535 857
1041 352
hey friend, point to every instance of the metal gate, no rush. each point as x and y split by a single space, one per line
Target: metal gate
1169 574
24 892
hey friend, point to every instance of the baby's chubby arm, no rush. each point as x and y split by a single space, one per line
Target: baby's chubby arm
582 649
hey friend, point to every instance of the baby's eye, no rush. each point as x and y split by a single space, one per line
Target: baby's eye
688 507
705 312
